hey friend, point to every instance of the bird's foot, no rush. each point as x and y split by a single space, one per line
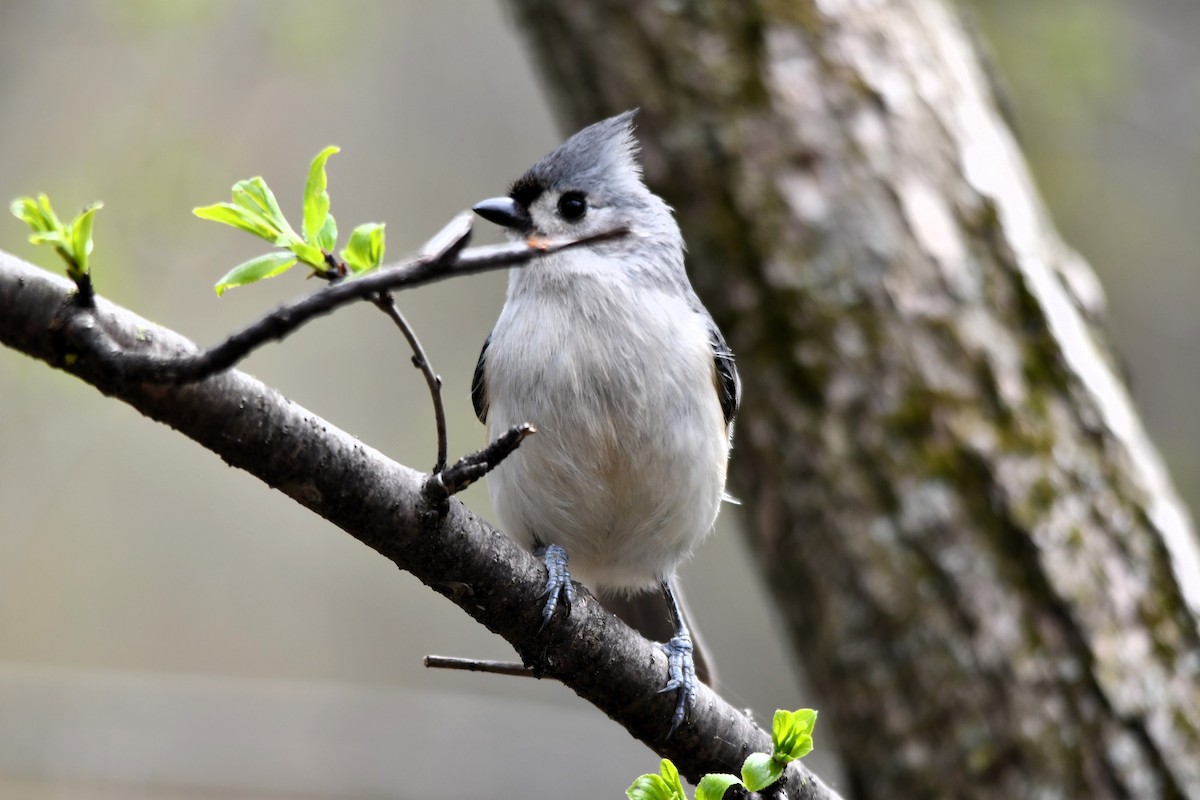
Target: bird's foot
681 676
558 580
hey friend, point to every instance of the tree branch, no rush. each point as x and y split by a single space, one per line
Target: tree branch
384 504
490 666
440 485
127 361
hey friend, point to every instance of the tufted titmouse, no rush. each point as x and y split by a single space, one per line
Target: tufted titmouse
606 349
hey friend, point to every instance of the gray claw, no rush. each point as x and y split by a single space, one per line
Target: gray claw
558 580
681 676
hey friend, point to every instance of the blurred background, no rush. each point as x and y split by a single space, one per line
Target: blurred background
172 628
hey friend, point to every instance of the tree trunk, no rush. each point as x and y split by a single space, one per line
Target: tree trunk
980 558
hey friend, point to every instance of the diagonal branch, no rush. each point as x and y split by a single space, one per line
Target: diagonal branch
383 504
129 362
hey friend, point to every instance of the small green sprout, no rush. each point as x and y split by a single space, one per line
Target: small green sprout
364 251
254 209
791 738
663 786
72 241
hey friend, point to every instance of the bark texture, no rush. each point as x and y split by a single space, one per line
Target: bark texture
978 553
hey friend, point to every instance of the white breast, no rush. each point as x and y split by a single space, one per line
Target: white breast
627 469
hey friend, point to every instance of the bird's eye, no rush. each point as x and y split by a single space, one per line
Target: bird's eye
572 206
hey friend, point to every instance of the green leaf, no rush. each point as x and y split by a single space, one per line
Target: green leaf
664 786
759 771
804 746
243 219
38 215
365 249
56 238
648 787
51 219
254 195
670 776
316 199
714 785
327 238
81 236
791 733
256 269
310 255
26 210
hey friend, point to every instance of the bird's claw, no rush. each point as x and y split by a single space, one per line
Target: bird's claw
681 676
558 581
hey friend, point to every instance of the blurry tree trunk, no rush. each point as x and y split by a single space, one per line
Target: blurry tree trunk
979 556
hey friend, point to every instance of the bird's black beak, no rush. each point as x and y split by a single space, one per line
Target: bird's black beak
505 212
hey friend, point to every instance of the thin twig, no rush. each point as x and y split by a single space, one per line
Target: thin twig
86 335
443 246
421 361
450 240
480 665
470 468
440 486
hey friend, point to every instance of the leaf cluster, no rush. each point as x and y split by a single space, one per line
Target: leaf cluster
253 209
791 738
72 241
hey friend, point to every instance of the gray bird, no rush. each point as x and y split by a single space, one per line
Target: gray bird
608 352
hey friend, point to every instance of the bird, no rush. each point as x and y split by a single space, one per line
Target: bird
607 350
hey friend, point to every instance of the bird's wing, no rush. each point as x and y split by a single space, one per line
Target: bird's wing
728 384
479 397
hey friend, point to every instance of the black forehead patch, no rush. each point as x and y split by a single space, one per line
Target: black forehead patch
526 190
